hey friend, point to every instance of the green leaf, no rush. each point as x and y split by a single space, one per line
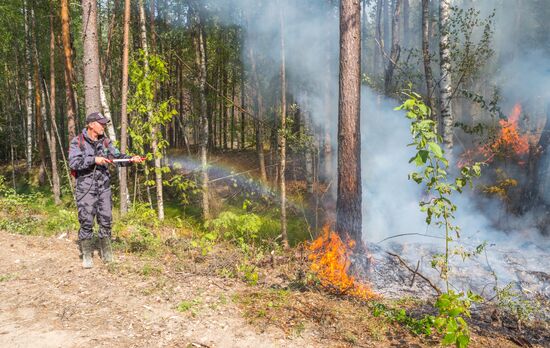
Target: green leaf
462 341
436 149
449 338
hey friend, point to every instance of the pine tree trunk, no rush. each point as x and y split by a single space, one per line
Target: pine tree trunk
38 112
92 98
446 112
203 125
124 196
155 128
282 135
395 48
348 204
67 53
258 109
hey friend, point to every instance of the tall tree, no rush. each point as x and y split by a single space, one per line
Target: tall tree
29 86
258 113
203 124
67 53
53 150
406 24
282 133
379 39
445 89
348 203
155 128
430 100
395 48
124 198
90 59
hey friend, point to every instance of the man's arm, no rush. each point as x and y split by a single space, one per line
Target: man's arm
78 159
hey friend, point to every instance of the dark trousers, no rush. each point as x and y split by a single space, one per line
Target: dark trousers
95 204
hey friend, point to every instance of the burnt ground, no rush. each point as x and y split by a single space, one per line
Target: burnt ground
48 300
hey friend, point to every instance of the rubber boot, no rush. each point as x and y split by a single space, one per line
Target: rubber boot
105 249
86 245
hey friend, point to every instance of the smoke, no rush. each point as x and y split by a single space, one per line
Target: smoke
520 70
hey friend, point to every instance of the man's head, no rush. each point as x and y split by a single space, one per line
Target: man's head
96 123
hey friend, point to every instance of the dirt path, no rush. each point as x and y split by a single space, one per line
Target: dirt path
48 300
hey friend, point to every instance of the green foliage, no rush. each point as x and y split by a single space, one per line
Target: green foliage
423 326
513 303
146 72
241 229
248 272
470 41
433 166
453 307
137 229
63 221
184 186
432 172
192 305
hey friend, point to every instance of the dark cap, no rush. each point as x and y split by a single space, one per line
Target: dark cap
97 116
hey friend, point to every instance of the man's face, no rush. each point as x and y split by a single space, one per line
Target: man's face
97 127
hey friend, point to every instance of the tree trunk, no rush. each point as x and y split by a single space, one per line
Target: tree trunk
29 87
233 85
201 63
430 100
67 52
92 99
282 134
107 111
243 121
406 24
154 128
395 48
53 150
348 204
38 112
379 41
445 110
124 197
258 110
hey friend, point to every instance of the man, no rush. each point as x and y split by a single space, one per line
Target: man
89 156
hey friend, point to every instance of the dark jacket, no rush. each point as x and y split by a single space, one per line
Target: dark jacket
82 154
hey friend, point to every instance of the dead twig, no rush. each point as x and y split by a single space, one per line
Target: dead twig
419 274
415 273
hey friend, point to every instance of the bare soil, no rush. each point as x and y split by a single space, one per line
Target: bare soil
48 300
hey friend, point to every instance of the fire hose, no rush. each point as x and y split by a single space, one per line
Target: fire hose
124 160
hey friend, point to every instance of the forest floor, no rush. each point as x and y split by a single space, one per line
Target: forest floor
170 300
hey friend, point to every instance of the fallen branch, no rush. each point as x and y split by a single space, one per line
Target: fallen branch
415 272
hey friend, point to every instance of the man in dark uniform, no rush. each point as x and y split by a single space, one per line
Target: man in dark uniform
89 156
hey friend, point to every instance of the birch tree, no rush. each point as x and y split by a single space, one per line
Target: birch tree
155 127
445 89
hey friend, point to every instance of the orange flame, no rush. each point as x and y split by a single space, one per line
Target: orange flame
509 142
509 138
330 261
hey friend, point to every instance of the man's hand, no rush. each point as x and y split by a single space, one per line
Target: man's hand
136 159
101 161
